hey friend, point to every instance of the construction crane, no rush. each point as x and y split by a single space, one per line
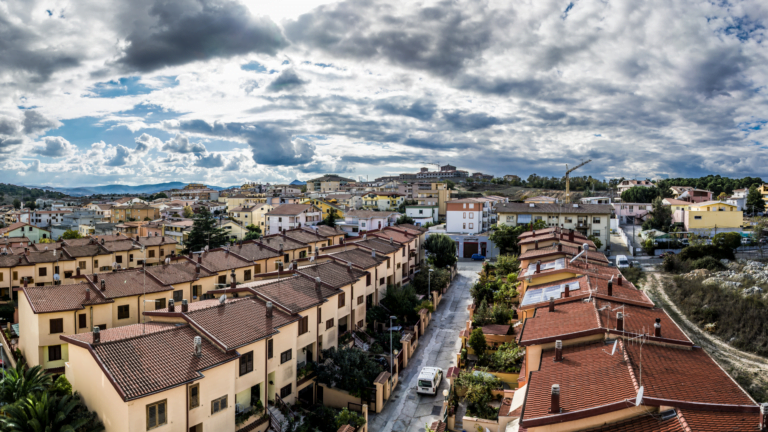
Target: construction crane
568 179
437 164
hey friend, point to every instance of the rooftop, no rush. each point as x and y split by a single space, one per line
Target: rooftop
292 209
125 283
59 298
275 240
359 257
180 272
561 209
333 273
253 251
295 293
217 260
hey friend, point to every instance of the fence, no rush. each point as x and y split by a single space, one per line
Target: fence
627 241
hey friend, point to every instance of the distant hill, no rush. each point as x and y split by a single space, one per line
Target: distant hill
297 183
121 189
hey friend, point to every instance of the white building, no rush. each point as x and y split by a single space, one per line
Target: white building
46 218
596 200
422 214
626 184
357 222
290 216
465 216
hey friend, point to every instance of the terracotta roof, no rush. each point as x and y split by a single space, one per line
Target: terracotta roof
81 241
609 382
252 250
126 283
525 208
239 322
13 261
46 257
42 246
120 246
547 231
275 240
7 240
346 428
359 257
292 209
157 361
566 250
111 238
684 375
326 230
377 244
295 294
333 273
639 320
645 423
124 332
85 250
387 233
180 272
156 241
568 319
219 260
368 214
411 229
578 238
438 426
305 236
711 421
496 329
58 298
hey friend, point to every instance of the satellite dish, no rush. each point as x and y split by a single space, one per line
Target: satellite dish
56 277
222 299
613 351
639 398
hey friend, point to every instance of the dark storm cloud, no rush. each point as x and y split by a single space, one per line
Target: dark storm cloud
323 167
8 126
440 39
35 122
24 50
286 81
184 31
419 110
470 121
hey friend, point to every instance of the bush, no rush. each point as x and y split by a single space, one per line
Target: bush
696 252
483 291
425 304
673 264
422 282
708 263
508 358
477 341
633 274
507 264
482 315
501 314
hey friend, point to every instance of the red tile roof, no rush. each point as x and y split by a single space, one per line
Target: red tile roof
120 245
376 244
396 235
155 241
87 250
50 256
712 421
572 319
645 423
180 272
217 260
359 257
126 283
305 236
325 230
275 240
124 332
58 298
333 273
253 251
295 294
639 320
292 209
569 251
141 365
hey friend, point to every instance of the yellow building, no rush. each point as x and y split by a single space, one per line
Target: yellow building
134 212
244 200
327 205
384 201
328 183
710 217
250 214
432 194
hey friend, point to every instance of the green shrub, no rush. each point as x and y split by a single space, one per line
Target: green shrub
696 252
477 341
482 315
633 274
425 304
501 314
507 264
708 263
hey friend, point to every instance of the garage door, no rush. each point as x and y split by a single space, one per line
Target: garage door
469 249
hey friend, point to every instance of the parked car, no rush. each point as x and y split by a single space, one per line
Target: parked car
478 257
621 261
429 380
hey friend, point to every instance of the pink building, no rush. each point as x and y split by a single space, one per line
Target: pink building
690 194
628 213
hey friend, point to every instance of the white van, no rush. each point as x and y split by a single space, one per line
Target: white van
429 380
621 261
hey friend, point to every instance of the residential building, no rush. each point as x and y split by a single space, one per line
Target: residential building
235 231
431 194
284 189
357 222
382 201
22 229
134 212
17 216
156 248
626 184
97 229
596 200
709 218
282 199
247 215
588 219
265 258
690 194
541 200
126 201
179 230
289 216
104 210
632 213
423 215
228 267
511 177
326 206
396 262
73 221
465 216
328 183
352 201
244 200
46 218
195 191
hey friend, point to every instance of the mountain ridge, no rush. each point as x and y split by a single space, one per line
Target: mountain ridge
120 189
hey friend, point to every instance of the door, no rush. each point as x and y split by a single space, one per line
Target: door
469 249
482 249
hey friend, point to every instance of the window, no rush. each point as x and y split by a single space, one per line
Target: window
471 226
42 271
151 254
218 405
123 312
57 325
697 217
471 206
367 279
277 265
270 349
596 233
246 363
360 324
247 275
387 262
223 280
360 300
285 391
596 220
156 415
257 268
319 316
54 352
381 281
1 277
162 252
130 257
15 275
510 218
286 258
342 300
465 215
160 304
303 325
567 219
329 324
471 215
81 321
119 259
464 205
81 264
464 226
194 396
178 295
286 356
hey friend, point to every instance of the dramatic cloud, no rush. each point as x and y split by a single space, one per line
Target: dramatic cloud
122 156
35 122
146 142
211 161
184 31
288 80
180 144
55 147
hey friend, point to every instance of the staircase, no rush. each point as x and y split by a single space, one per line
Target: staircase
359 342
277 422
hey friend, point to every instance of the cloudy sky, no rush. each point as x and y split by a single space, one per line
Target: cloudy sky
225 91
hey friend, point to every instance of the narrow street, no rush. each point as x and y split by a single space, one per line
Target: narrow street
406 410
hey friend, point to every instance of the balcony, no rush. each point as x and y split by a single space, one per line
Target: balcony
305 371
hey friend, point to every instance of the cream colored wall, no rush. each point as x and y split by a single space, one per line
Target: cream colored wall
6 281
31 325
710 219
359 310
328 310
217 383
285 373
259 373
208 283
308 338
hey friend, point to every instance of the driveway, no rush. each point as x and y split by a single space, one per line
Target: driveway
407 411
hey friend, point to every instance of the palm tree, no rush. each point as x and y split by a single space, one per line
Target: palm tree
16 384
44 412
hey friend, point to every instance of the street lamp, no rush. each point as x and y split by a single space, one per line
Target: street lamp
445 394
391 351
429 281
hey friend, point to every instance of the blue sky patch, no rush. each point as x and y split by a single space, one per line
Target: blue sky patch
253 66
129 86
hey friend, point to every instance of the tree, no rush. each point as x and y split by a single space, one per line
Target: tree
596 241
640 194
205 232
401 301
507 264
16 203
46 412
349 369
505 236
442 250
347 417
188 212
755 202
477 341
450 185
330 220
18 383
727 240
722 196
404 219
71 234
157 196
253 233
404 204
31 205
660 216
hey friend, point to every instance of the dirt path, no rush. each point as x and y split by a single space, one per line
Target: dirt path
734 361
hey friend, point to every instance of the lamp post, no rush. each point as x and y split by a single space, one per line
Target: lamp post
391 351
445 394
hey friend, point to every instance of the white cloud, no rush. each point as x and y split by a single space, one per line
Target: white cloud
181 144
55 147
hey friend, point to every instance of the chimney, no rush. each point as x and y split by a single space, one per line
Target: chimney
171 306
391 241
95 278
317 284
198 341
137 237
373 253
763 417
536 245
269 309
610 288
103 285
534 233
191 255
184 305
349 267
96 335
620 279
619 321
567 291
365 236
538 266
233 284
551 304
570 236
559 247
281 248
558 350
200 259
197 268
162 239
77 270
102 241
657 327
555 408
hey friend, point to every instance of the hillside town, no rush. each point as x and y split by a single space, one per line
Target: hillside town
287 306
